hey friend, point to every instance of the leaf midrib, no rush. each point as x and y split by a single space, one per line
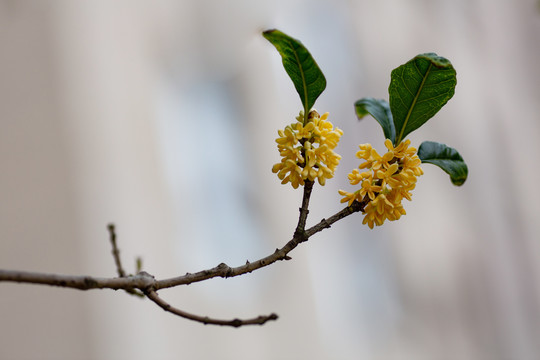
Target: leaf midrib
399 138
304 84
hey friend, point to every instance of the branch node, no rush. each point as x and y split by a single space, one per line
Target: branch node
89 282
326 223
359 206
225 270
300 235
148 281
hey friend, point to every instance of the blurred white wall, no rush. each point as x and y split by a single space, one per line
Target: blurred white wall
161 117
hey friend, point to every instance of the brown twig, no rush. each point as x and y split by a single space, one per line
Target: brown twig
115 251
304 211
117 261
260 320
225 271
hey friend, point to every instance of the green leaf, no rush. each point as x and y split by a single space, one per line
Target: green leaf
446 158
418 90
304 72
380 110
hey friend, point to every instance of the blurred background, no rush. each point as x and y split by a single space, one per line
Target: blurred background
161 117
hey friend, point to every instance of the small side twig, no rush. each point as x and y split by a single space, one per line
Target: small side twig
115 251
117 261
260 320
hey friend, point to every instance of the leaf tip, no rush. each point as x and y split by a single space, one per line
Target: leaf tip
438 61
460 179
268 32
458 182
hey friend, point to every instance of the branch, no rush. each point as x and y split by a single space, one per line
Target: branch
260 320
148 285
225 271
143 281
140 281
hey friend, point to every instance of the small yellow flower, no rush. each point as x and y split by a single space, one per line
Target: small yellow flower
372 216
348 197
304 132
369 189
400 151
286 137
386 175
307 150
355 177
394 197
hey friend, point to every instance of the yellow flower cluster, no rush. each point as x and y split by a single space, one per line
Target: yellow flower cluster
307 150
387 180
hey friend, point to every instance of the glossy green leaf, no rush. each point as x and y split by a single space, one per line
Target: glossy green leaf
304 72
380 110
446 158
418 90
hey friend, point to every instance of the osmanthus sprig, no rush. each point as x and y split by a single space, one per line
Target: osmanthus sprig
307 145
418 90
